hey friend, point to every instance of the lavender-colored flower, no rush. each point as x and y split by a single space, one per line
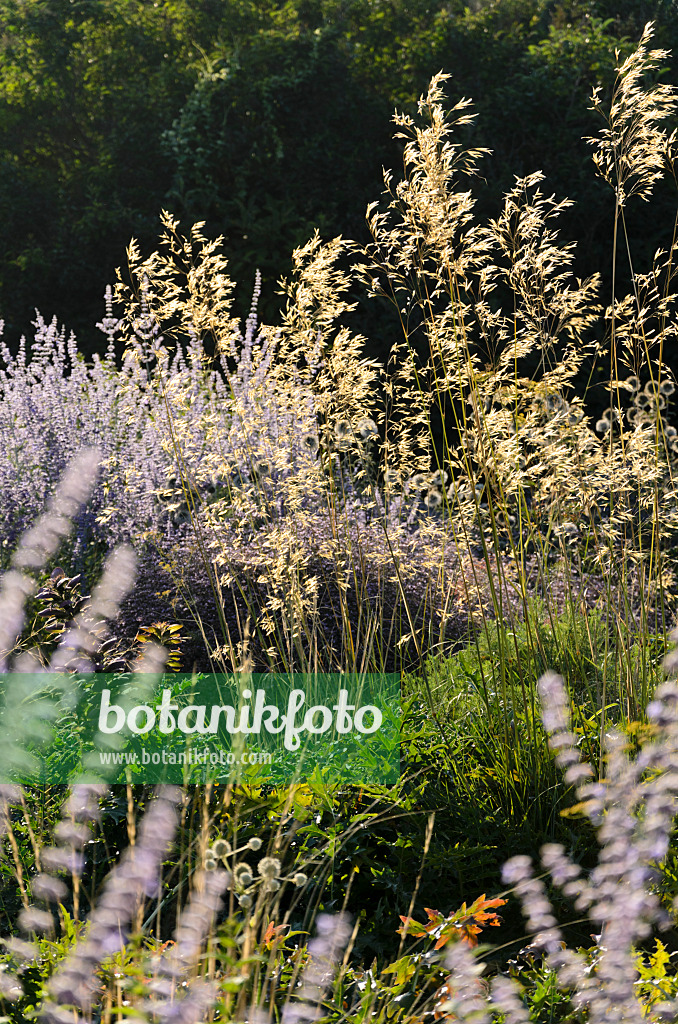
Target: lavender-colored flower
332 933
535 904
506 998
10 986
466 1003
33 920
135 877
45 887
55 858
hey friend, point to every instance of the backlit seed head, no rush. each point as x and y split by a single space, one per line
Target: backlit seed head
300 879
650 389
254 843
343 431
433 499
210 864
269 867
272 885
245 900
667 387
632 384
603 425
368 429
242 874
222 848
310 443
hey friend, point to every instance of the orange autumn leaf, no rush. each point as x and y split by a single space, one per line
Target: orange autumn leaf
465 924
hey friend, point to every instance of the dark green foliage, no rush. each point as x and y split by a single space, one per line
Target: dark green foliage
60 600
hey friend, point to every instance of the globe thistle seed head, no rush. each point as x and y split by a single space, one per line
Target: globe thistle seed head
269 867
242 874
222 848
368 429
254 843
433 499
569 531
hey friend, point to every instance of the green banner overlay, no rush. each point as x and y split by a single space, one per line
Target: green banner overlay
63 727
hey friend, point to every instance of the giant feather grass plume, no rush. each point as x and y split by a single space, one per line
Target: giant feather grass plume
630 151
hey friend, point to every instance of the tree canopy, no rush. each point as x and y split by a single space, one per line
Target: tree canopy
268 119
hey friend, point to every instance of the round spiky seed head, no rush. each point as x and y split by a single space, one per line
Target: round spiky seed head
210 863
245 900
222 848
633 384
272 885
603 425
300 879
269 867
433 499
667 387
254 843
242 874
310 442
342 430
368 429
